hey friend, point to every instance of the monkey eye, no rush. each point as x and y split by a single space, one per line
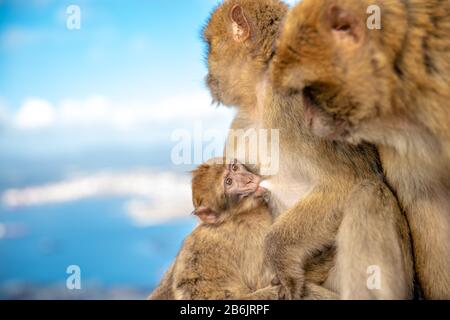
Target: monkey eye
229 181
235 167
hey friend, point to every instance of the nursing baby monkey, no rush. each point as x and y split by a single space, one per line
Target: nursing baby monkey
328 194
389 86
223 258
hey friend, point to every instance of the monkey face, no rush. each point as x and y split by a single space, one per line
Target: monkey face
222 58
239 183
231 74
327 56
237 53
219 190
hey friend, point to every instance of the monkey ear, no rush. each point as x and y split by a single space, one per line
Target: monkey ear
241 27
206 215
345 25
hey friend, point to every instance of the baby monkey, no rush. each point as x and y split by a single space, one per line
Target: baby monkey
223 258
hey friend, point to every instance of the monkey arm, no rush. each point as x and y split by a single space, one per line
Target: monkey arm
298 234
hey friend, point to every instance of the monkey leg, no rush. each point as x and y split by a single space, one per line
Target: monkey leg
430 229
297 235
374 259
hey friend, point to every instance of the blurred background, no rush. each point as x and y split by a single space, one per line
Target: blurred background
89 120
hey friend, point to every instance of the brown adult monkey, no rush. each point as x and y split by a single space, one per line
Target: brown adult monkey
388 86
333 193
223 258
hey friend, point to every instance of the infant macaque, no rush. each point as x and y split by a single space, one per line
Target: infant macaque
223 258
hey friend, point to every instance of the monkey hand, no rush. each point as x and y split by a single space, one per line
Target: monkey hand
283 260
288 289
268 293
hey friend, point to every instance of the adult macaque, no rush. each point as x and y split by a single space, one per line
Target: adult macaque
388 86
330 194
223 258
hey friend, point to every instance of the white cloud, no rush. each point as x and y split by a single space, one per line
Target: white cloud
15 37
87 112
35 113
98 111
155 197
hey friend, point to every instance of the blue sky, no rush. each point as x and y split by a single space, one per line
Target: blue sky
133 49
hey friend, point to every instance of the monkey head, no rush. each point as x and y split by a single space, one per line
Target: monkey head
240 37
222 190
344 71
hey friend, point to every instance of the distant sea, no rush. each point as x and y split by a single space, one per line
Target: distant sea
118 260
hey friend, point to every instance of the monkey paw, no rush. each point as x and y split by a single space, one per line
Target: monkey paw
288 288
272 293
268 293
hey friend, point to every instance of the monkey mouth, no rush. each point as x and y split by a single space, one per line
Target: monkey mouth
257 189
260 192
254 191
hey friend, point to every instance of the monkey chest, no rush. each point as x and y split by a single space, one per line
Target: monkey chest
286 192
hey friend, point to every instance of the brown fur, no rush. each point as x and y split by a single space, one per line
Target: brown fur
164 290
390 87
225 260
332 194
